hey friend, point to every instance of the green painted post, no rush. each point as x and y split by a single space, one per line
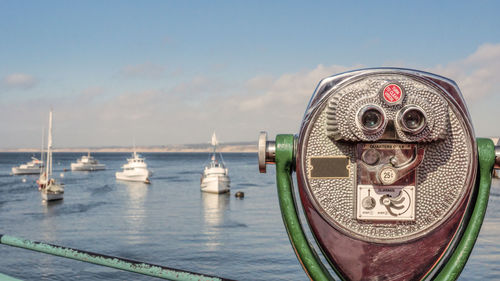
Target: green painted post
307 257
108 261
453 268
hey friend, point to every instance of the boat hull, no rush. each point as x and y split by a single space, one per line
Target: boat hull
52 196
90 168
215 184
25 171
138 177
53 191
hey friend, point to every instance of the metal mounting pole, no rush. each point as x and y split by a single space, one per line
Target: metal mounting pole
454 266
308 258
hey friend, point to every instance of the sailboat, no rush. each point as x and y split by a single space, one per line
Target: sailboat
215 177
50 189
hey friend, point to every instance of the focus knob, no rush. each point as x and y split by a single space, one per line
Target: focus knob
267 152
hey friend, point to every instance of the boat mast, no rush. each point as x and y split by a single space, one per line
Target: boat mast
214 142
133 144
41 151
49 148
214 153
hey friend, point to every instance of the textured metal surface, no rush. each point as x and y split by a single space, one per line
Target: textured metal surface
444 176
343 106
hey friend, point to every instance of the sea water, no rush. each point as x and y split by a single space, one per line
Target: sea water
169 222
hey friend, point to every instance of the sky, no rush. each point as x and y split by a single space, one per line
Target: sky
172 72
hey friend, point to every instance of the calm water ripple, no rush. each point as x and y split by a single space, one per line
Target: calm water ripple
170 222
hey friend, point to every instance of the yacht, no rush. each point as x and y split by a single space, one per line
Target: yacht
50 189
215 177
87 163
135 170
32 167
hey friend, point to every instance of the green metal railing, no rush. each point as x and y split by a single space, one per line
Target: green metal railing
108 261
4 277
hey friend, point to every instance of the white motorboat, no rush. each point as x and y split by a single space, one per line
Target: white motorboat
135 170
215 177
50 189
87 163
32 167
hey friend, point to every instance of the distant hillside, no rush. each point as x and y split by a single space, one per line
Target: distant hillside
198 147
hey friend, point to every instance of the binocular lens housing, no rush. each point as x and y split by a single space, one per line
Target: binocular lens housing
371 118
412 119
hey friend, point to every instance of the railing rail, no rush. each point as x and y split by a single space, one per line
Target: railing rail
108 261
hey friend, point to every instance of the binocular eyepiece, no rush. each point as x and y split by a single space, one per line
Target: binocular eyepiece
372 119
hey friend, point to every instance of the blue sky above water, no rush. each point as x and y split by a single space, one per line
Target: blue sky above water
169 72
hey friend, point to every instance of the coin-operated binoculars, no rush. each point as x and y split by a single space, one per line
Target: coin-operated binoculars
392 181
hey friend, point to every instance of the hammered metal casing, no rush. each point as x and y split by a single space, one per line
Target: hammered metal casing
444 178
344 104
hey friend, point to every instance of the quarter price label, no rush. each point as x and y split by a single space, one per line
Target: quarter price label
388 176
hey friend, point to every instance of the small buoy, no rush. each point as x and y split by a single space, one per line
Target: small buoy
23 180
61 175
239 194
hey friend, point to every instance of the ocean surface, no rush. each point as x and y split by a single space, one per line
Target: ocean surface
170 222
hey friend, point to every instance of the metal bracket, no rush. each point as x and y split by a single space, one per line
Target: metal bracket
267 152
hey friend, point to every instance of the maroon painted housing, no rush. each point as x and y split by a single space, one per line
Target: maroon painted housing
355 259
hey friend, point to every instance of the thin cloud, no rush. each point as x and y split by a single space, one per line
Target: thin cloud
146 70
189 111
89 94
476 75
20 81
290 89
199 89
